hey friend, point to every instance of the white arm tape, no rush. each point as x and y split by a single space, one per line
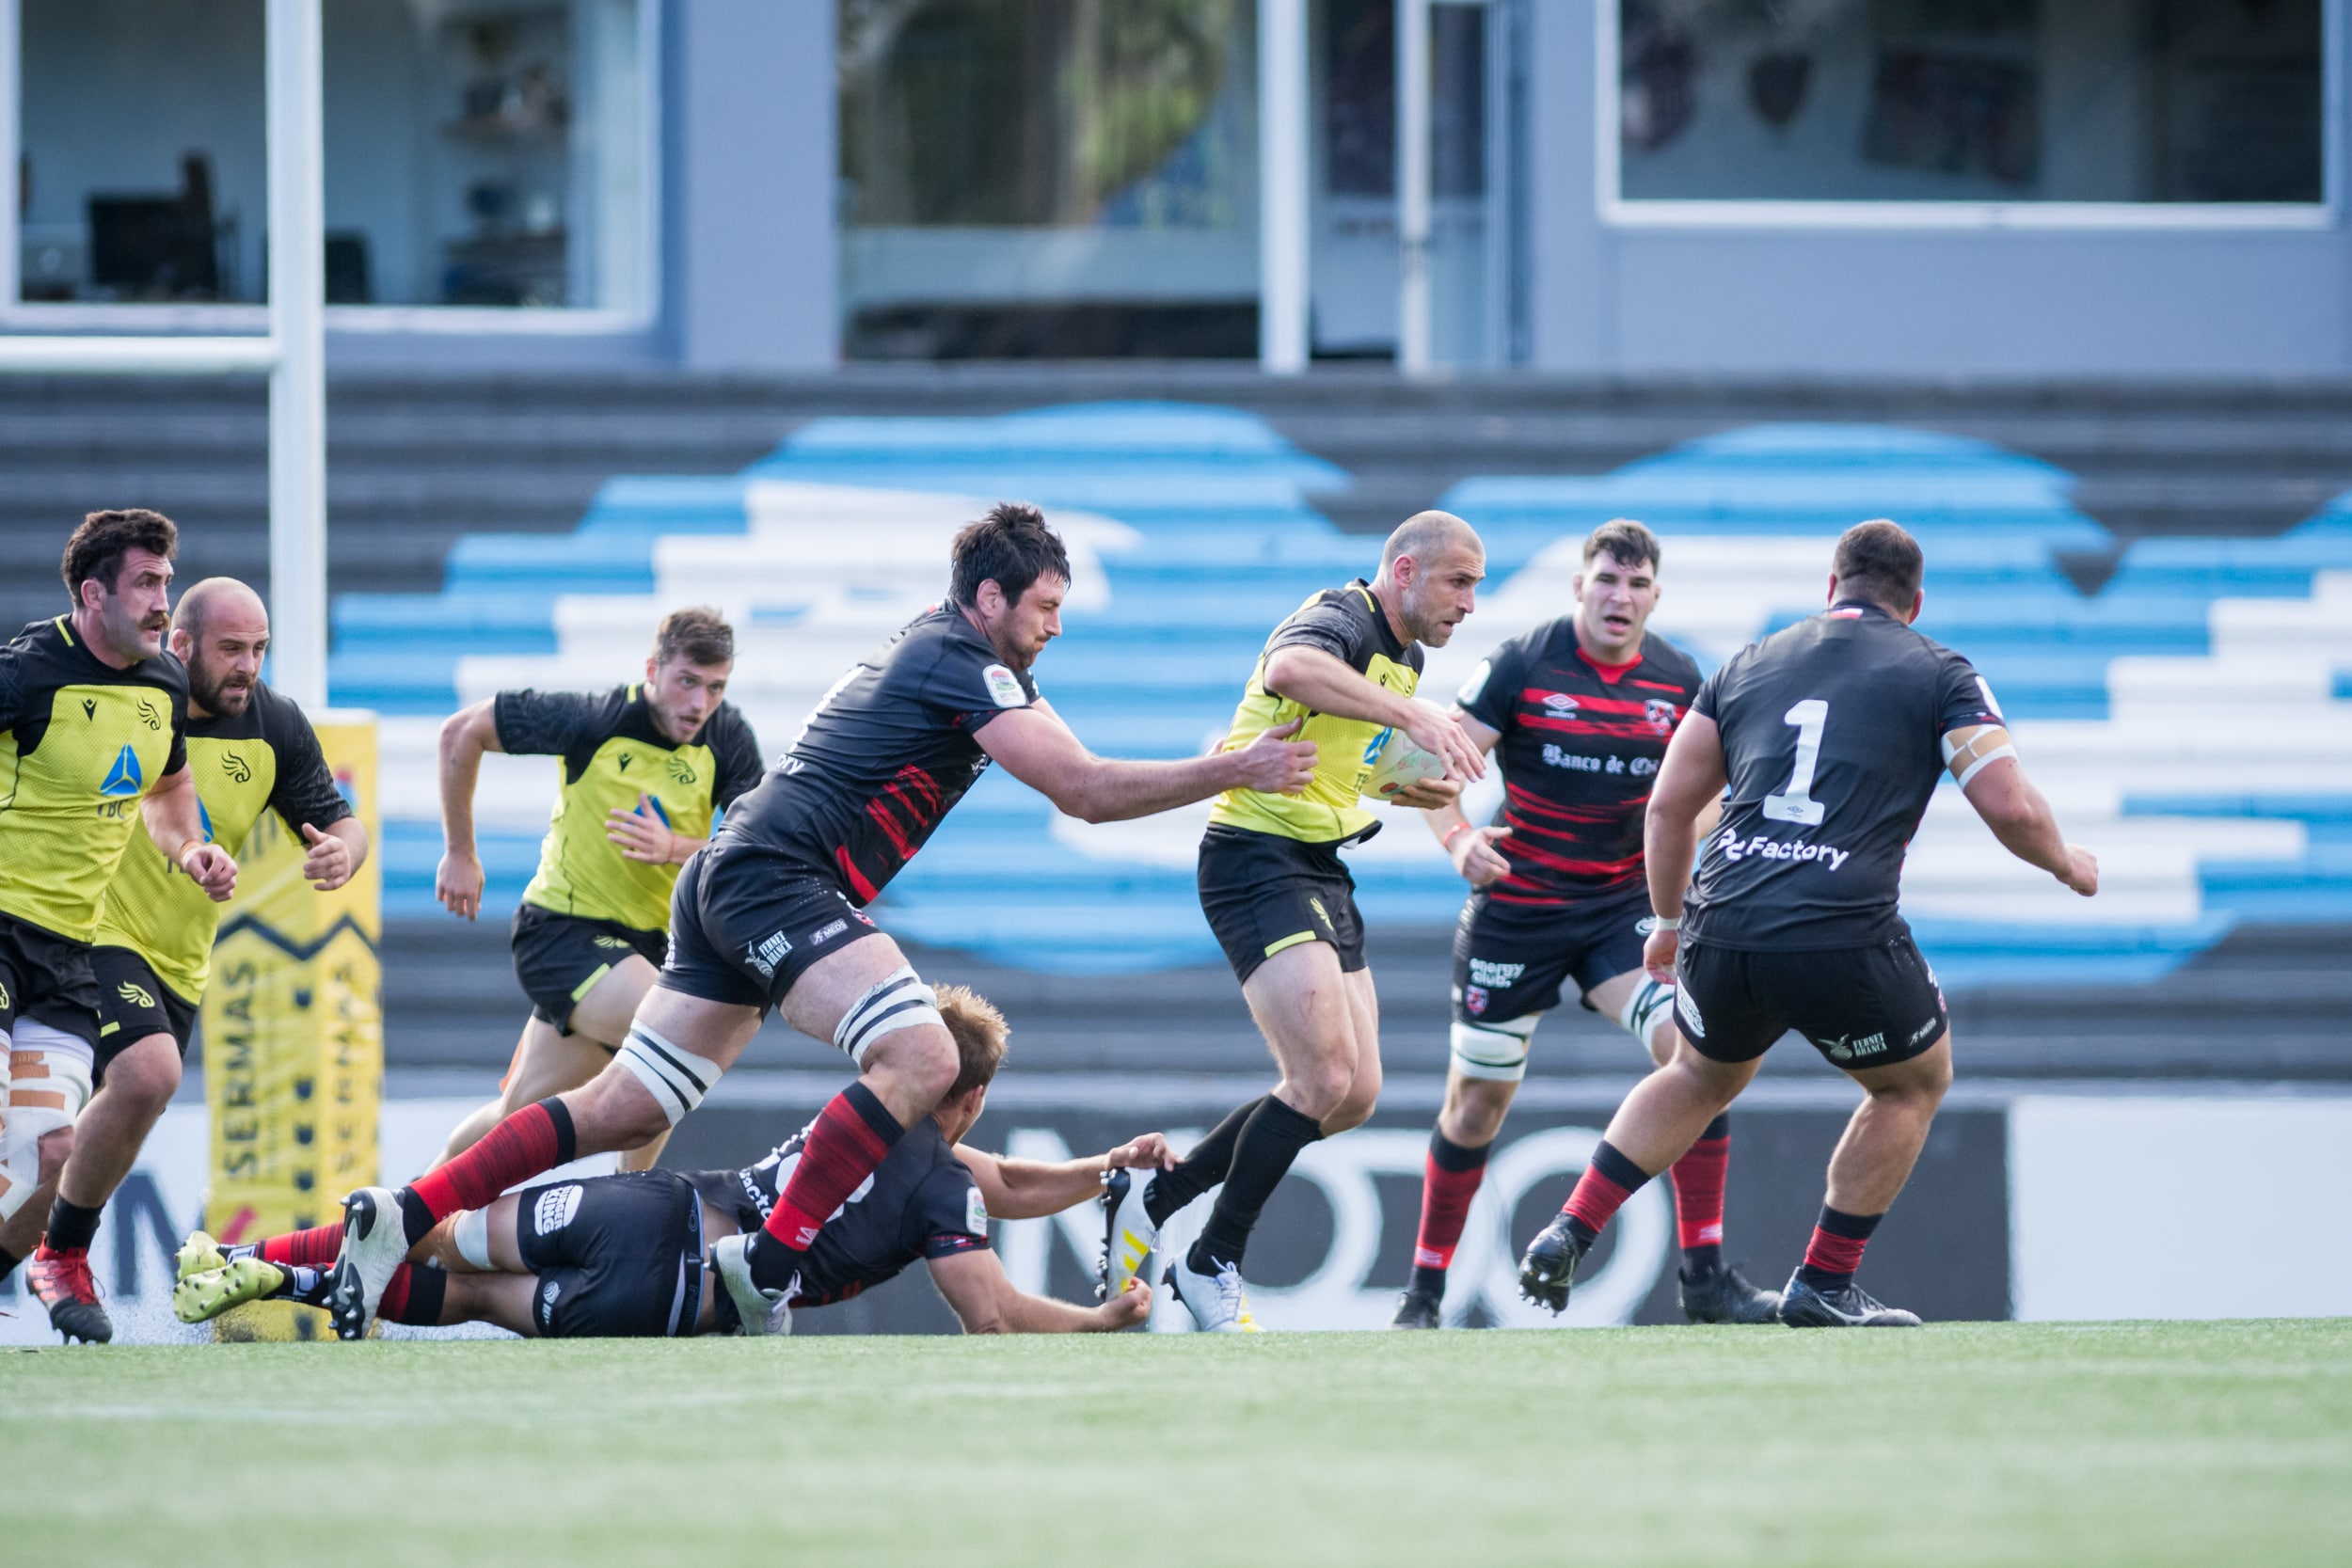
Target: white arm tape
1985 761
675 1076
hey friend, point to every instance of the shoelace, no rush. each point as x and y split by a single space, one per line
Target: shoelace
71 1270
1231 1302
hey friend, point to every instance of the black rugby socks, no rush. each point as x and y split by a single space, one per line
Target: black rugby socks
71 1228
1269 1141
1200 1170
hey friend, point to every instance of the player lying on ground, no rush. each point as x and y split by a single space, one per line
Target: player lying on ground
644 770
1340 670
623 1255
1824 741
772 915
1578 712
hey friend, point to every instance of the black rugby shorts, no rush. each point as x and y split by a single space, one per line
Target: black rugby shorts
1263 893
560 957
1860 1007
47 977
1512 959
745 927
617 1257
133 1004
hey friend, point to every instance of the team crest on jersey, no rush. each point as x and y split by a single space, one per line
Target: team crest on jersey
1474 1000
1005 687
1661 714
238 770
149 714
680 769
136 994
126 778
1559 704
555 1209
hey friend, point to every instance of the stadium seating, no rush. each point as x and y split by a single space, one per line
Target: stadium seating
2189 718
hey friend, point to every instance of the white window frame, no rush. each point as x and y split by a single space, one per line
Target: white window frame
18 315
1618 211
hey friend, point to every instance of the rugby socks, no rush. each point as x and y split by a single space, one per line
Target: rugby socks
1698 1181
1269 1141
1449 1180
314 1248
536 1138
414 1296
1608 1180
849 1137
71 1228
1200 1170
1836 1251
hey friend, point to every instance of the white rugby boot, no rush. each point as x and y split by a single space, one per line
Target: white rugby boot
375 1246
764 1312
1217 1302
1129 1237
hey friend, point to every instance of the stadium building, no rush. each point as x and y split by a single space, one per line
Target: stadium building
632 302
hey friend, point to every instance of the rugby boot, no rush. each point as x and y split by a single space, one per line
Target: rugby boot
1419 1308
1848 1307
763 1313
1217 1302
1129 1237
1724 1296
201 1297
61 1282
198 1254
374 1249
1547 1269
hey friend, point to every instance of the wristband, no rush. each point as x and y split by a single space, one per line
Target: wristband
1657 923
1447 841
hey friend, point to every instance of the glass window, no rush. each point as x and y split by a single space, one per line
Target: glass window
1048 177
478 152
2010 101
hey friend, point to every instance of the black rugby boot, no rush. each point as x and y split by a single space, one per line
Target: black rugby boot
1724 1296
61 1281
1547 1269
1420 1308
1847 1306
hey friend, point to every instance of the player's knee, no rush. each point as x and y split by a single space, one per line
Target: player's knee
923 1060
53 1148
145 1080
650 1086
1474 1108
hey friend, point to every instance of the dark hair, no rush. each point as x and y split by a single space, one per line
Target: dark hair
1629 543
1879 561
978 1030
699 635
1011 547
98 546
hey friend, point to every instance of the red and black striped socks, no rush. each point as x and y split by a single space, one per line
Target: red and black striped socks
1836 1251
1608 1180
1449 1181
849 1137
1698 1182
536 1139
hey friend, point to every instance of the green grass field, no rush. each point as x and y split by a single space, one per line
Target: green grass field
2138 1444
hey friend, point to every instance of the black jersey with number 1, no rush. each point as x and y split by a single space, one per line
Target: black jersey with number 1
888 753
1832 734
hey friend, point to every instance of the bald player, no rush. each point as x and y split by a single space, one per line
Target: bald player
250 751
1342 669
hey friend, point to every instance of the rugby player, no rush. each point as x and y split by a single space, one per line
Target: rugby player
1831 736
623 1255
771 914
645 768
93 743
1582 708
1282 905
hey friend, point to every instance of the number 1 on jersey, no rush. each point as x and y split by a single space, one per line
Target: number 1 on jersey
1795 803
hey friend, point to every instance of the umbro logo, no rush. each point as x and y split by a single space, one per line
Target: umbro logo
237 767
1560 702
135 995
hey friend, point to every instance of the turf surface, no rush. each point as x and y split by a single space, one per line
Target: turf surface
2139 1444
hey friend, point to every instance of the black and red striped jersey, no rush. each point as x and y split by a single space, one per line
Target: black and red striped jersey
888 753
1579 748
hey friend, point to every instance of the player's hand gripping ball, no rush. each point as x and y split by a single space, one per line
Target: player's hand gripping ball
1398 764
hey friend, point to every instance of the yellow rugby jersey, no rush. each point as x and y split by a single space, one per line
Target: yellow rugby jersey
612 753
81 743
1349 624
266 758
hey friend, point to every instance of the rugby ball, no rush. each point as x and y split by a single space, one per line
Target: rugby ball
1398 764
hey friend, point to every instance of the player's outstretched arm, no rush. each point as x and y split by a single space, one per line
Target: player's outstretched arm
1473 850
1031 1189
1037 748
1985 763
1324 683
175 821
1690 780
986 1303
465 735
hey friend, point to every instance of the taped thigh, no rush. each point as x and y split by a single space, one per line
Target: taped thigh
675 1076
1651 1001
1495 1052
48 1084
899 1001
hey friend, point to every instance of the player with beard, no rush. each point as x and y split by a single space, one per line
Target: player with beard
1580 709
1282 904
93 747
772 915
623 1256
645 769
1824 742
